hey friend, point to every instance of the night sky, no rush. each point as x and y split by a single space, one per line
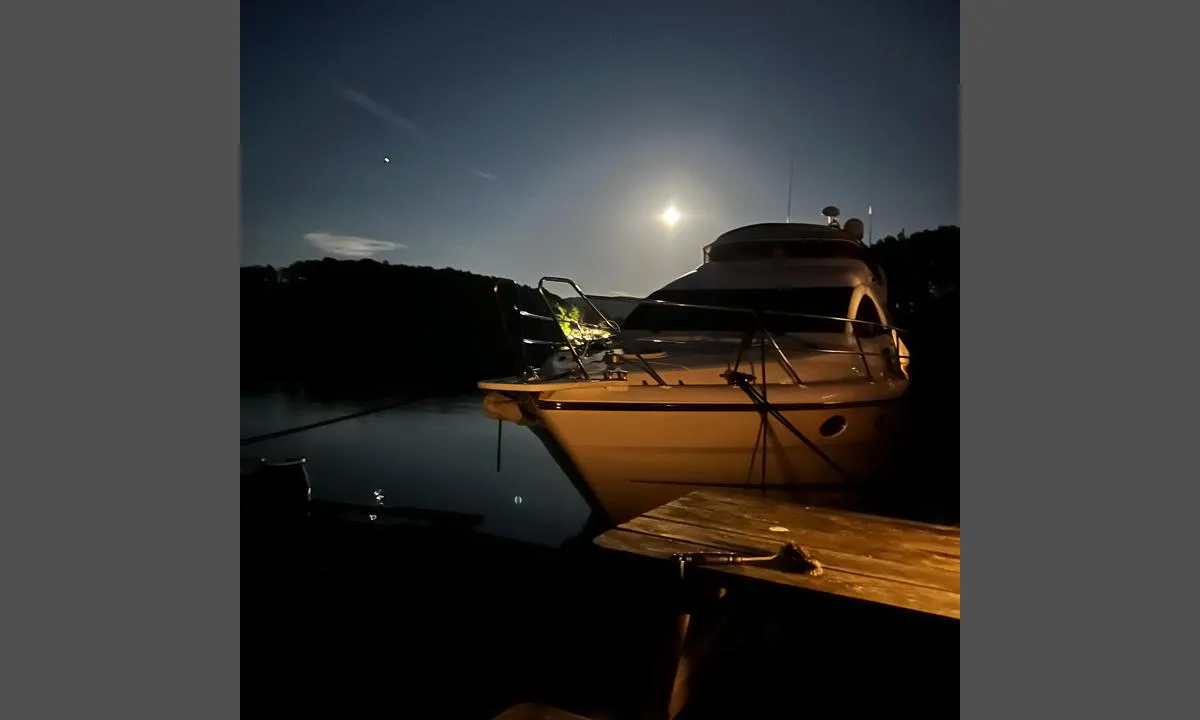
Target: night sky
527 138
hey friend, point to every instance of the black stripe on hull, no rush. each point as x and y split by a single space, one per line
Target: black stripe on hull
706 407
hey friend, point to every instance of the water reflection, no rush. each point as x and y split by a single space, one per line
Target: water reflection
437 454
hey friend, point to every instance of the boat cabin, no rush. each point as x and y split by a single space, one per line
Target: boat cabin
801 268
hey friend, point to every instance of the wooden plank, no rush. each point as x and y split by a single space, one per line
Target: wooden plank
804 534
848 532
832 581
940 538
767 502
735 541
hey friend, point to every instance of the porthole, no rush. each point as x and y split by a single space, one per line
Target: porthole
833 427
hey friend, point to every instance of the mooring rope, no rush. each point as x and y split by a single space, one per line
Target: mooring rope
741 380
332 421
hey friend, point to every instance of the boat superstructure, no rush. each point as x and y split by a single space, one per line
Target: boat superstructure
770 367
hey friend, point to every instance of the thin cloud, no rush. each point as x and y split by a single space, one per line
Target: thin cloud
383 112
350 246
413 130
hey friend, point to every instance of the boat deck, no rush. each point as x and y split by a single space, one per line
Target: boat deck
519 385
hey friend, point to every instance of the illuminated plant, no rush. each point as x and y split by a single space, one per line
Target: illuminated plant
570 319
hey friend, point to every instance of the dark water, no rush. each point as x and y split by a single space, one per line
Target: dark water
437 454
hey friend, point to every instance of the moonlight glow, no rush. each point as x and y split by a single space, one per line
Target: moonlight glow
670 216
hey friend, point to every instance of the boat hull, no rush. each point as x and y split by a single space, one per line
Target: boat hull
633 455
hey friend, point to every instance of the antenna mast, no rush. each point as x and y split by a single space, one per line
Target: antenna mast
870 196
791 177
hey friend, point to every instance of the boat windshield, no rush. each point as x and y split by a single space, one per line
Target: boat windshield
794 249
825 301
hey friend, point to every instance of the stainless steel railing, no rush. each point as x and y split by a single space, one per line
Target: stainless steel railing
582 346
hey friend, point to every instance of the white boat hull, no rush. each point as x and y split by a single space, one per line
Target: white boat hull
634 462
637 447
680 397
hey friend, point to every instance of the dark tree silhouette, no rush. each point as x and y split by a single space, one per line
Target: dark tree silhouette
362 328
922 272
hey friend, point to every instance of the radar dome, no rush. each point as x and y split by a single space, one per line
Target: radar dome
854 226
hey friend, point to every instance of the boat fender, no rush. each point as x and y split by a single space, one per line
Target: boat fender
499 407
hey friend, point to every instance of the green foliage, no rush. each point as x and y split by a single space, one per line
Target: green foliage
568 318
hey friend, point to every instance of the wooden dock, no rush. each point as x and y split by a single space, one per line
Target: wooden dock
875 573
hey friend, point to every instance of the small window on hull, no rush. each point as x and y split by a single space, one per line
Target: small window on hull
833 427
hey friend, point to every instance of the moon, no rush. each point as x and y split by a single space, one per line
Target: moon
670 216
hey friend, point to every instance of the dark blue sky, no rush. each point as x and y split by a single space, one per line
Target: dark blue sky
541 137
